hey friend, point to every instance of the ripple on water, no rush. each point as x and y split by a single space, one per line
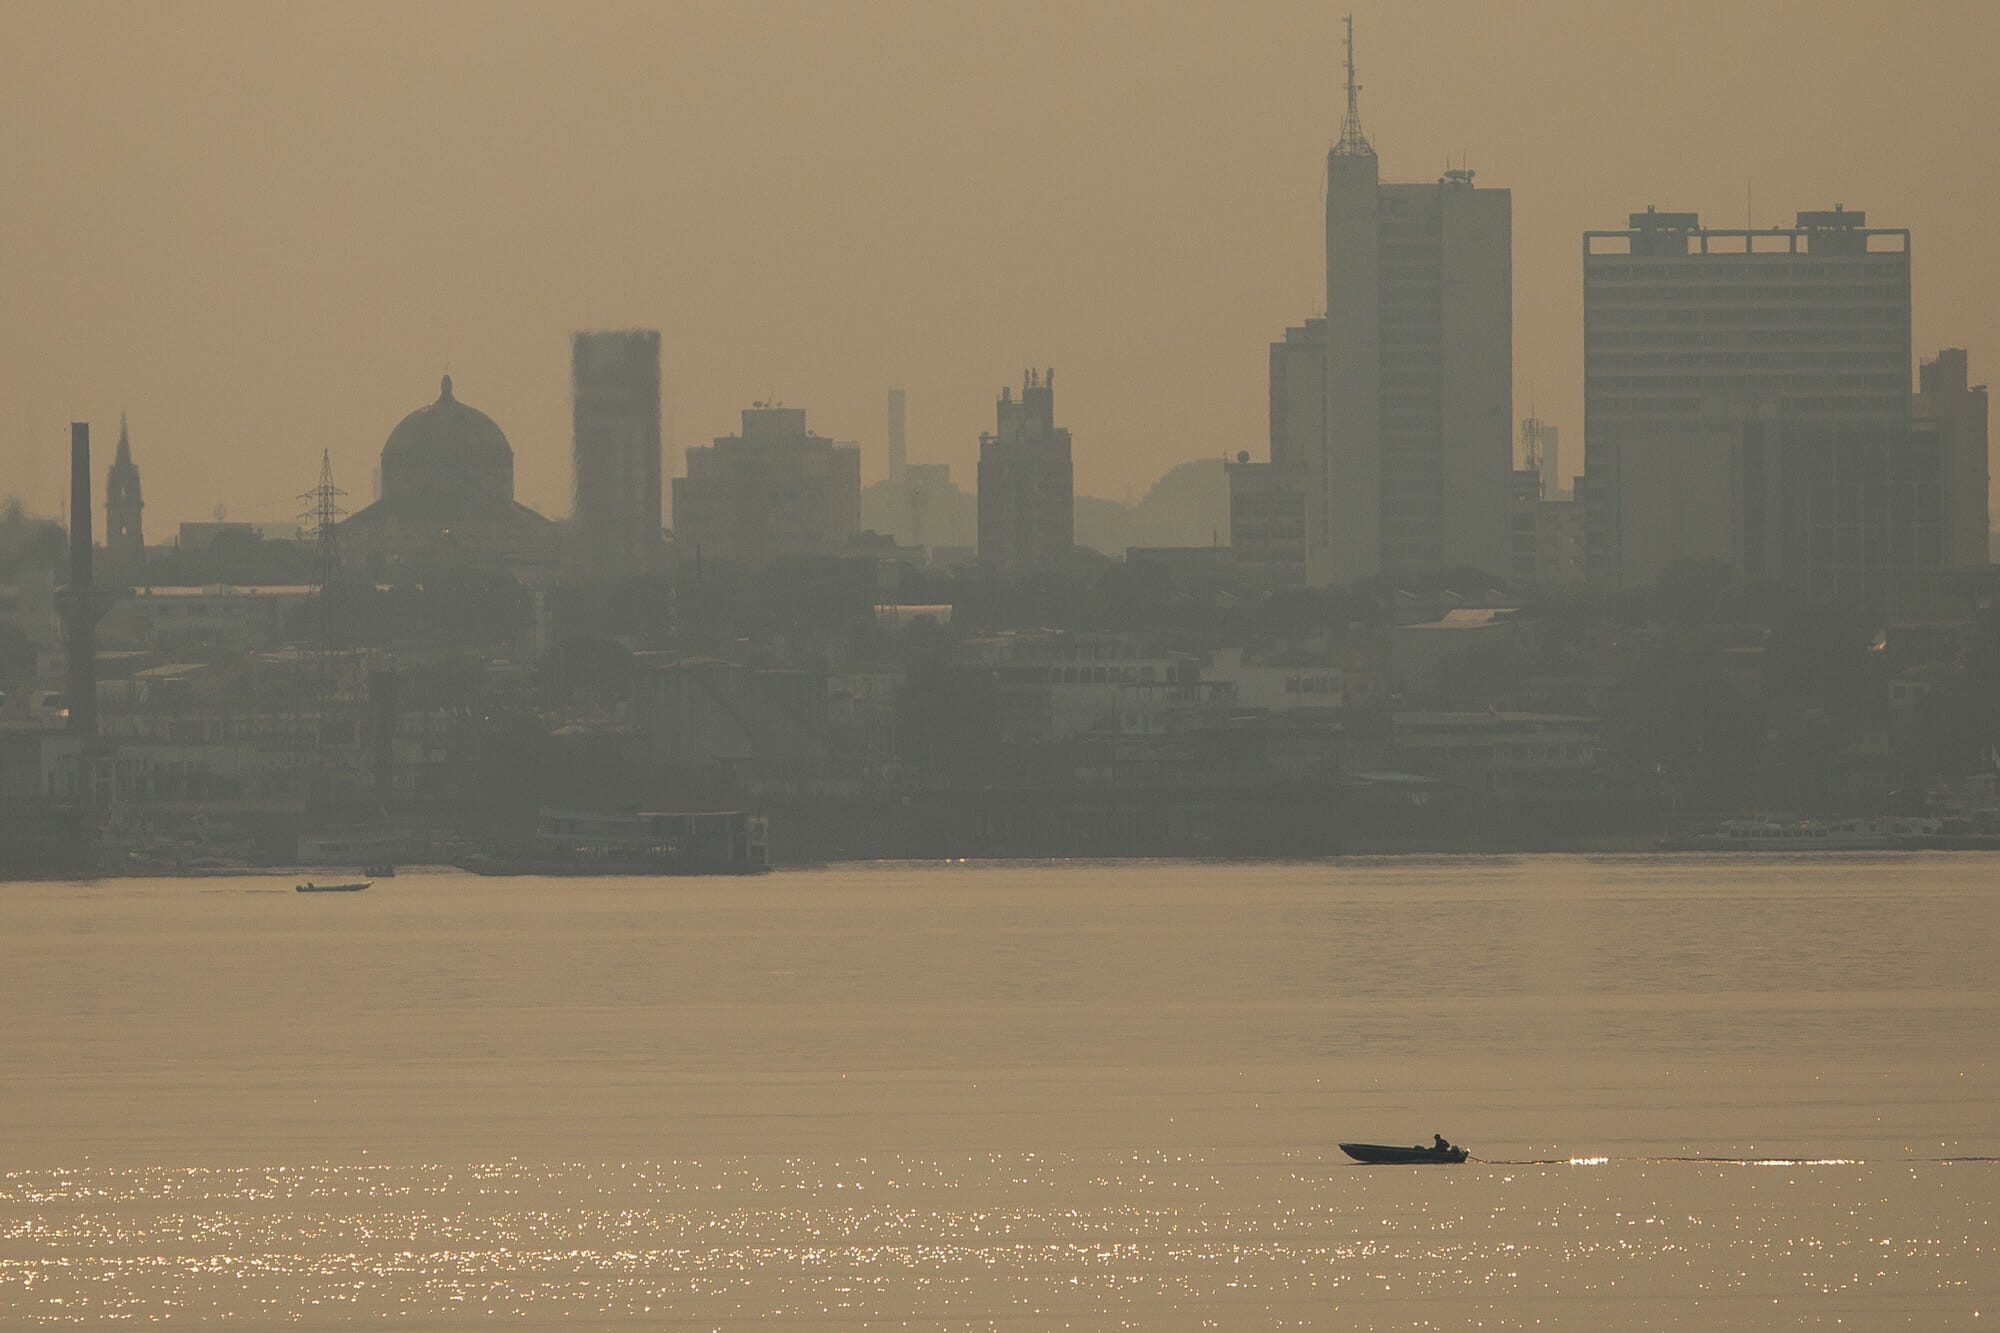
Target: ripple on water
1155 1239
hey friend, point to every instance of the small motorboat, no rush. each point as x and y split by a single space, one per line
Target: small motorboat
310 887
1382 1154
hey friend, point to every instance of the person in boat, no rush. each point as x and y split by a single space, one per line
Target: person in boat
1440 1145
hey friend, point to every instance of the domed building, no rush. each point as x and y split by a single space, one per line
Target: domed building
448 495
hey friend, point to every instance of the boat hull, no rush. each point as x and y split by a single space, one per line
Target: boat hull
332 888
1382 1154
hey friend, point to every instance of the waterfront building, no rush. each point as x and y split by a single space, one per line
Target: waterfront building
615 385
1027 496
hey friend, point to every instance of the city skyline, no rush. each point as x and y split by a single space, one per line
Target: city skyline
283 259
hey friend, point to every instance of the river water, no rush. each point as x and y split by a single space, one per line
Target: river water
1758 1092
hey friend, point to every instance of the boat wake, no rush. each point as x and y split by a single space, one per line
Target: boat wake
1720 1161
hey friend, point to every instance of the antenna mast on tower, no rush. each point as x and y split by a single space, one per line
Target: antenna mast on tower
1353 143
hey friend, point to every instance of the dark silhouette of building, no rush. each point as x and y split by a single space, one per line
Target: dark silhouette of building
124 543
448 495
1274 506
775 490
615 378
1944 395
1027 491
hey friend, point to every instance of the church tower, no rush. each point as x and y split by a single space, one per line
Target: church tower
124 546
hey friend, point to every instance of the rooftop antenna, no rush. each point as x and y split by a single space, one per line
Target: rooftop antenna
1353 143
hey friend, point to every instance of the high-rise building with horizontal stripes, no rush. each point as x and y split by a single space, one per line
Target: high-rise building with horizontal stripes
1689 333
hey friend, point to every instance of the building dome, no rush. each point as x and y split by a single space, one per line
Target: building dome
447 457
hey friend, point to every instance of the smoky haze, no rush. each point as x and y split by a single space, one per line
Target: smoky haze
264 231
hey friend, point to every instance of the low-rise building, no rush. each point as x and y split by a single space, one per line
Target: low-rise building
1528 756
1280 684
219 618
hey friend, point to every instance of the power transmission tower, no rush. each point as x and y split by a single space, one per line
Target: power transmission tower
324 513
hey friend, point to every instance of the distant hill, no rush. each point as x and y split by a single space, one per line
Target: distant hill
1189 506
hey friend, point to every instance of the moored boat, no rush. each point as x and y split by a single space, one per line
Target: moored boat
310 887
1382 1154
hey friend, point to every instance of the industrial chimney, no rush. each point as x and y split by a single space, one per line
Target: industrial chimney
80 607
898 456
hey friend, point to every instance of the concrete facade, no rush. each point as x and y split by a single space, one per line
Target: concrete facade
775 490
1027 494
615 378
1419 374
1350 481
1690 331
1279 510
1945 396
1844 511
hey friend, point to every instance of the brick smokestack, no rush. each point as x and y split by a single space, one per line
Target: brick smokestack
80 607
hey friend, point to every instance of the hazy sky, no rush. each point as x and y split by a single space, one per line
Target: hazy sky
266 230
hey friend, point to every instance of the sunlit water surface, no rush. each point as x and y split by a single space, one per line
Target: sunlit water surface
1708 1093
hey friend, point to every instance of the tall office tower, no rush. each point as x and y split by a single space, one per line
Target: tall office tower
616 382
1945 396
1419 382
1697 339
775 490
124 543
1027 495
898 448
